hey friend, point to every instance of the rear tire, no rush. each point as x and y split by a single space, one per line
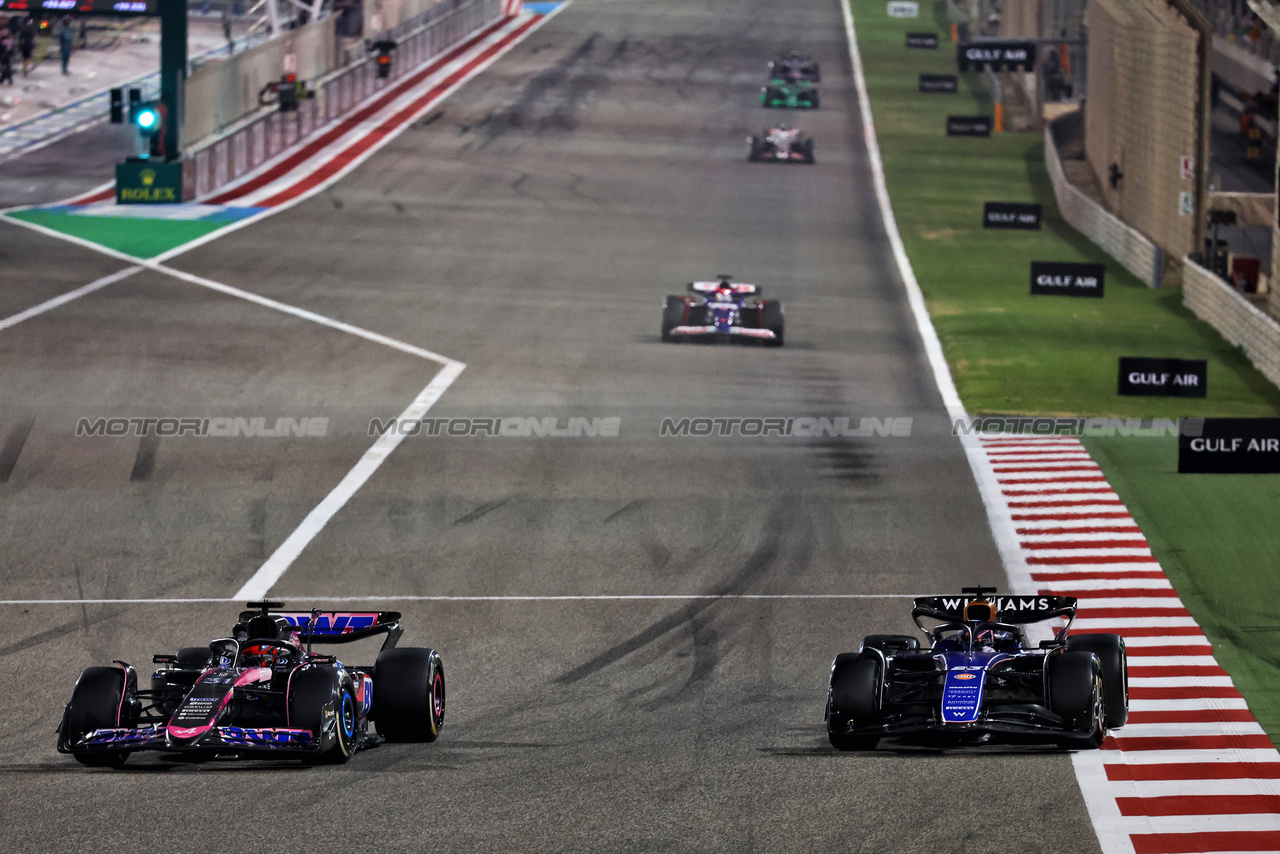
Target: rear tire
756 146
852 698
808 151
674 312
409 694
1076 695
773 319
1115 672
100 700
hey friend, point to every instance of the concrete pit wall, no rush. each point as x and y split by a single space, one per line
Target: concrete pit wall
1143 113
1216 303
219 94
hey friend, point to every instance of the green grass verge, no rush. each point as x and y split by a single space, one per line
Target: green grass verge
1214 535
1012 353
142 238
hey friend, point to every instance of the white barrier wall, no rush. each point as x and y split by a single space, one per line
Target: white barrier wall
1216 303
219 94
1126 244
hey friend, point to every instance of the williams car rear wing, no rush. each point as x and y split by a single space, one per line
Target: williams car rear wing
1016 610
320 626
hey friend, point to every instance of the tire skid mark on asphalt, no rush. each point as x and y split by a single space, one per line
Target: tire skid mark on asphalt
1146 788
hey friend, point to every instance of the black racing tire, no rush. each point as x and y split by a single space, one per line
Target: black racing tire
767 95
314 692
409 694
853 698
1076 695
890 644
192 658
674 312
756 146
100 700
1115 672
808 151
772 317
813 100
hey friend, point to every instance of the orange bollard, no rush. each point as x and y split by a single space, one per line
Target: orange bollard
955 32
999 119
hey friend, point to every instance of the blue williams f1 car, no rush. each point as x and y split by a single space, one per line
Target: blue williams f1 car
980 679
263 692
723 311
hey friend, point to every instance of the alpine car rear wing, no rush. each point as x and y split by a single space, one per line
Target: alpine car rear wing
327 627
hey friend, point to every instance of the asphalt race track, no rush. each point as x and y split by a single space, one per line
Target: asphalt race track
529 229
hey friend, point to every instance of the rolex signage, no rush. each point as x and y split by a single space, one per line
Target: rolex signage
148 182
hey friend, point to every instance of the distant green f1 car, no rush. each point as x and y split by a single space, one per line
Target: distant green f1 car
798 95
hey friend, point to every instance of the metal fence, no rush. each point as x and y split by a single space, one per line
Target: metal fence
266 136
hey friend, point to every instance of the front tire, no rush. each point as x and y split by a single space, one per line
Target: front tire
674 313
1115 672
1076 695
314 692
103 698
409 694
853 699
772 318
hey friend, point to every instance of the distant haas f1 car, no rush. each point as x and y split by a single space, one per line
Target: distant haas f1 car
781 144
261 692
979 678
723 311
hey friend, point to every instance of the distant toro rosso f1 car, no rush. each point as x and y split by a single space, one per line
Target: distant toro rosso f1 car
979 679
723 311
263 692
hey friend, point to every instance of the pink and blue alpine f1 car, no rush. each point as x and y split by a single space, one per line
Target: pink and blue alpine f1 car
262 691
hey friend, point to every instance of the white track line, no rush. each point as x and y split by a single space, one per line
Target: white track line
63 299
284 556
285 308
602 597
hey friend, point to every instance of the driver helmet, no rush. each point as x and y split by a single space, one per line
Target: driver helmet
260 654
980 611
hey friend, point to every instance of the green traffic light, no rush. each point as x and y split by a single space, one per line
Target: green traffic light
147 119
